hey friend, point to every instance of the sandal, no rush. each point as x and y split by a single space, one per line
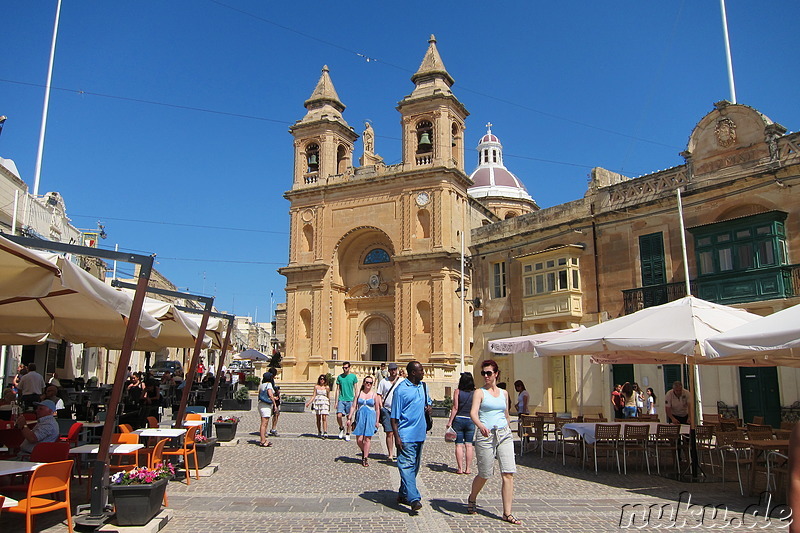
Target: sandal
266 445
472 506
511 519
364 462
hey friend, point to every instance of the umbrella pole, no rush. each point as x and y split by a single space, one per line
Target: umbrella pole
189 375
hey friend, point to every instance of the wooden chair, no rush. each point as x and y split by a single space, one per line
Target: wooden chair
47 479
758 432
705 443
728 425
710 418
549 422
635 439
726 444
758 420
564 440
606 437
186 450
666 439
531 429
595 419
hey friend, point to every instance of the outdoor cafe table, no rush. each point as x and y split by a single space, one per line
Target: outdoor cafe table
160 432
114 448
760 449
9 502
8 468
586 429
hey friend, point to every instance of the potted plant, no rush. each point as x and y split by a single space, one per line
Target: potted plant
138 493
226 427
252 382
240 402
441 408
293 404
205 450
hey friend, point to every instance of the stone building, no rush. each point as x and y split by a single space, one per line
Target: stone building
618 249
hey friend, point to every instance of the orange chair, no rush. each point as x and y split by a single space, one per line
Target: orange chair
125 428
44 452
50 478
156 456
124 461
73 434
152 422
186 450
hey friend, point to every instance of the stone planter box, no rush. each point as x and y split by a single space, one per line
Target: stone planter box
293 407
136 505
205 453
440 412
226 431
237 405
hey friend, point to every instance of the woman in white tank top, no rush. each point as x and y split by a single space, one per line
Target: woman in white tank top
493 438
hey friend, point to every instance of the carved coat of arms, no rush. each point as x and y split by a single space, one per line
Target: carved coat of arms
726 132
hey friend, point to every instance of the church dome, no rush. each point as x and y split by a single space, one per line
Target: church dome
492 178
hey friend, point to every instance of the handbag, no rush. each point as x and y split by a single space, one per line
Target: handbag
450 435
263 396
428 419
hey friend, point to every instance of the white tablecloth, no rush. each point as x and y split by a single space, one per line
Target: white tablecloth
586 429
115 448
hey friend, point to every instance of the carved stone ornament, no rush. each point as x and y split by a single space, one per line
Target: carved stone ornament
726 132
307 215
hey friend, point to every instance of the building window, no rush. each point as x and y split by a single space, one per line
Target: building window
378 255
749 243
499 279
560 274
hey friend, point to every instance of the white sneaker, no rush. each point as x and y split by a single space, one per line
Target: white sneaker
347 437
341 433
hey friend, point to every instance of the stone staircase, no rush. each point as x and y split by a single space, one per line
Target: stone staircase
289 388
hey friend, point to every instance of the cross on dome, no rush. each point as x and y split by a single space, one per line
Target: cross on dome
488 127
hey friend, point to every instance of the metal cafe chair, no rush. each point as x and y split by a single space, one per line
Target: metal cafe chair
726 444
531 429
635 438
666 439
606 438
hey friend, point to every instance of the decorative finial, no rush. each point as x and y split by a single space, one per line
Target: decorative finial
432 39
325 68
488 127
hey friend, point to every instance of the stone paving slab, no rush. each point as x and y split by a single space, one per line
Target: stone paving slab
304 484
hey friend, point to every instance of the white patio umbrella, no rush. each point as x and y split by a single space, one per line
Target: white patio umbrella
773 340
178 329
251 355
24 272
526 343
667 333
215 329
78 307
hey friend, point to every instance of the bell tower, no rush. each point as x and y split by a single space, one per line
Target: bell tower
323 141
432 117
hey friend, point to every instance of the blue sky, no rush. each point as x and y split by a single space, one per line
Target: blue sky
168 120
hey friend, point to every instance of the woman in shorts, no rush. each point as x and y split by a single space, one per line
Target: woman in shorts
462 424
493 438
320 404
267 388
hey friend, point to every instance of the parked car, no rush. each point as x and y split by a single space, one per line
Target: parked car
240 365
173 367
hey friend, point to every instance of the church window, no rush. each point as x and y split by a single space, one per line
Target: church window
305 317
308 237
494 156
341 159
424 137
499 279
423 224
312 157
510 214
424 317
378 255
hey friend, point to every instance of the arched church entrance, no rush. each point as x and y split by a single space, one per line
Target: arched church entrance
377 339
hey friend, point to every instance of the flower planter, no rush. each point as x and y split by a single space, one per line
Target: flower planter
237 405
226 431
136 505
293 407
440 412
205 452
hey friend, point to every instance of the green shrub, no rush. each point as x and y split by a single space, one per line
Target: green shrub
241 394
447 402
290 399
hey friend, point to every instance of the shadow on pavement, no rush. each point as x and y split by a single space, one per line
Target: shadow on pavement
387 498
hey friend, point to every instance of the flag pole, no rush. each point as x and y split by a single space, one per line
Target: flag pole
38 170
728 50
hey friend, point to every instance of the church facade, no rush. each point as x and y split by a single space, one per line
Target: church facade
375 259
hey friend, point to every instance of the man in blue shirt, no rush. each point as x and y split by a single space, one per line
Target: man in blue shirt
409 404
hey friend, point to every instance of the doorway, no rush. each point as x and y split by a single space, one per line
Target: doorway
760 396
379 352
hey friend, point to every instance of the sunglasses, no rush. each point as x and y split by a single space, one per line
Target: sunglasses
368 383
487 372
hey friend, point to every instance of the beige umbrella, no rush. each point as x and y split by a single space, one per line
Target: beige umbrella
178 329
215 330
78 308
24 272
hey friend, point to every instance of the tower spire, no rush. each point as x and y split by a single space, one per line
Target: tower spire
432 65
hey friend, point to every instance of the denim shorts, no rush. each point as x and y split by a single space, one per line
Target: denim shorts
386 419
343 407
465 430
